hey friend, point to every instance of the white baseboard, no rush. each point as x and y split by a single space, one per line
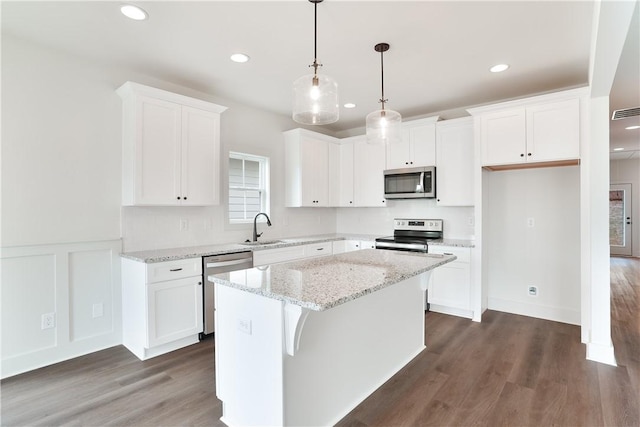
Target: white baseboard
556 314
601 353
451 311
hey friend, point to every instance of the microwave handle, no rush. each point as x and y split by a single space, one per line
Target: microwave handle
422 182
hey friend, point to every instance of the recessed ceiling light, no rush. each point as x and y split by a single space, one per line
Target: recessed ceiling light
349 105
632 127
618 149
133 12
499 68
239 57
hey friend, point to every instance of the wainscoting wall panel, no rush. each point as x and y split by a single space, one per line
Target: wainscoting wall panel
75 285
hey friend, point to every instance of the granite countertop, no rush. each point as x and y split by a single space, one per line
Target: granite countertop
171 254
461 243
322 283
161 255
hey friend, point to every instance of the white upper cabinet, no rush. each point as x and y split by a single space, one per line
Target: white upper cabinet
542 130
171 148
307 168
368 167
454 163
418 145
341 173
504 137
553 131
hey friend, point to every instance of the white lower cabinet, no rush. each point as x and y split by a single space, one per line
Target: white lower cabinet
367 244
291 253
450 284
161 305
342 246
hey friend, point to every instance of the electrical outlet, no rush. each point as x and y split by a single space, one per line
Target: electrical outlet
533 291
531 222
471 221
184 224
244 325
48 321
98 310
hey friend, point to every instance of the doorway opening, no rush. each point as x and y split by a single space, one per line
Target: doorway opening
620 219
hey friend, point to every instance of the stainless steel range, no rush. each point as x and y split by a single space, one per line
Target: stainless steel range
411 235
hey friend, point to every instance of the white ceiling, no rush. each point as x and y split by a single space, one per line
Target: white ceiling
438 62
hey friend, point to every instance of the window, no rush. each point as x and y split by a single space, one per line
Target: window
248 186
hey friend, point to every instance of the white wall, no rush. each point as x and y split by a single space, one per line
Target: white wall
546 255
628 172
60 149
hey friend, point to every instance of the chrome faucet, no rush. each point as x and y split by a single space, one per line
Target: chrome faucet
255 228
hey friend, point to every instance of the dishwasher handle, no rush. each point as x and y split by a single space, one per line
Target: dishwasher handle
228 263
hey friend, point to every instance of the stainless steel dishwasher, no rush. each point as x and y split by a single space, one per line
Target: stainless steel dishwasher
216 264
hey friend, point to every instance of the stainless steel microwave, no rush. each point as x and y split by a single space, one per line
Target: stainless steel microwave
410 183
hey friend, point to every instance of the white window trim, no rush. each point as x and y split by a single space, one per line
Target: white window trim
264 186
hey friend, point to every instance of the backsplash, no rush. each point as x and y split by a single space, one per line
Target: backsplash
145 228
380 220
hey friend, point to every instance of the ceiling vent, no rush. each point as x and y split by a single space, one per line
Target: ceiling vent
625 113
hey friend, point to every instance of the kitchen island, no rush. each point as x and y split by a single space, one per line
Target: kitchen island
303 343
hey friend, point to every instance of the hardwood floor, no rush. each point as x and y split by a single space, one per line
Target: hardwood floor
508 370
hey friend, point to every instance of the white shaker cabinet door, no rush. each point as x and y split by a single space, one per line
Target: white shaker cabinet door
315 173
346 174
368 167
200 157
423 145
553 131
175 310
503 137
454 165
157 152
399 153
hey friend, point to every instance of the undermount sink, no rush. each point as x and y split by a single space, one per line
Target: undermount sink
262 242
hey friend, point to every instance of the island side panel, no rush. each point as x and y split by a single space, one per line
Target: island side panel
249 352
347 352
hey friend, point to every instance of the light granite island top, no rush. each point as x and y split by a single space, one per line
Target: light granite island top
322 283
304 342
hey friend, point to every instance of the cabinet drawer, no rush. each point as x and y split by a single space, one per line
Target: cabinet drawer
463 254
170 270
318 249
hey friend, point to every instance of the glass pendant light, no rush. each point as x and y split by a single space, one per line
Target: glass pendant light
315 97
383 126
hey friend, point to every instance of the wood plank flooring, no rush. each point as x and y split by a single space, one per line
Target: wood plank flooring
506 371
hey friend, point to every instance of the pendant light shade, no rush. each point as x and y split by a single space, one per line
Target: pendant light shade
315 100
383 126
315 96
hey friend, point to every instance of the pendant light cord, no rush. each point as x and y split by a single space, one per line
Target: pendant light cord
382 100
315 64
